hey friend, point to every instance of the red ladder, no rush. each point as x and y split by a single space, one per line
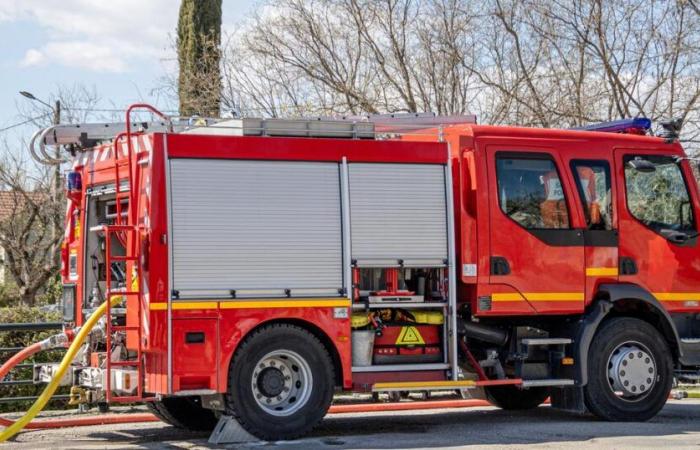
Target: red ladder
129 233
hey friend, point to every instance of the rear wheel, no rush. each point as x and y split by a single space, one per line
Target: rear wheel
281 382
184 412
630 371
513 398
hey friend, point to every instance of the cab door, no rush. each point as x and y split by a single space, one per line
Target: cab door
659 248
536 252
592 178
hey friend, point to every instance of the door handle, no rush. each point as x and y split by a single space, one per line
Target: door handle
499 266
627 266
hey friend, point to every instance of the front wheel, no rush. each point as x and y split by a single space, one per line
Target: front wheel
630 371
281 382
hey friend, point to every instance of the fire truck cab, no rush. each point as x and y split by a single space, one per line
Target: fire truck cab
255 267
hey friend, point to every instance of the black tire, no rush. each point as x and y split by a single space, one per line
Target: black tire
513 398
600 396
184 412
241 400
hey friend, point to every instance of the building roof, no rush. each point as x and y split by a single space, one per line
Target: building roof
9 201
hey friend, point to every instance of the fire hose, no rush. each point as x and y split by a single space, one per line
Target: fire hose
45 396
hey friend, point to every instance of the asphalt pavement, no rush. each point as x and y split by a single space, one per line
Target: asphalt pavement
676 426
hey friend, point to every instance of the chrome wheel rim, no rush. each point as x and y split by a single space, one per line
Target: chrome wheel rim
282 382
632 372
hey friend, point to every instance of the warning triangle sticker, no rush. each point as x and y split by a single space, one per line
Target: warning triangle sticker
410 336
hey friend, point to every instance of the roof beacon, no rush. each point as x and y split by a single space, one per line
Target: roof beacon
638 125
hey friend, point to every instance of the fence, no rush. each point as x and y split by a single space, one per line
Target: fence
4 351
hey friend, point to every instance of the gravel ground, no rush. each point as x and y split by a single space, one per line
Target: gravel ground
677 426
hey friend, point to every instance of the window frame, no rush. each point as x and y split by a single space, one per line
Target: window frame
573 166
525 155
693 232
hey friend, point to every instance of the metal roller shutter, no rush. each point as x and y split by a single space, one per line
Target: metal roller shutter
256 227
398 212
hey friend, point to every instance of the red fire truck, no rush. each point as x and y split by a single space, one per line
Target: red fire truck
254 267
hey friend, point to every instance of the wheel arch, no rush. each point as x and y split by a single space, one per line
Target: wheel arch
623 300
306 325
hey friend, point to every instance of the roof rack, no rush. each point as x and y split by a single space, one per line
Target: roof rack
83 136
637 125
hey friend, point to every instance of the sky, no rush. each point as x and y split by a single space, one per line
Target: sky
120 48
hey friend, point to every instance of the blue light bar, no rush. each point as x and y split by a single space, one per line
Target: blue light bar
638 124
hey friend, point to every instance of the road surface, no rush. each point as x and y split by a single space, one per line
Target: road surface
677 426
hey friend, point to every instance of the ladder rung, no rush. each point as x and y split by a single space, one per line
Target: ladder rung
123 258
124 363
111 293
123 328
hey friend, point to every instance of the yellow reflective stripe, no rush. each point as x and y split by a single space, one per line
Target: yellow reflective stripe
601 271
194 305
677 296
537 296
506 297
554 296
291 303
254 304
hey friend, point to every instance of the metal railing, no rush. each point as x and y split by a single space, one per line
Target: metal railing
8 381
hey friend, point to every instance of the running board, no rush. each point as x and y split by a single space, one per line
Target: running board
545 341
546 383
407 386
447 385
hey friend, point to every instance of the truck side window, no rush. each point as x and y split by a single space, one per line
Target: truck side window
594 188
659 198
530 192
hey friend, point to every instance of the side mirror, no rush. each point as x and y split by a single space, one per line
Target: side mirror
642 165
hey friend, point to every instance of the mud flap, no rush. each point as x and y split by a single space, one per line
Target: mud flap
229 431
568 399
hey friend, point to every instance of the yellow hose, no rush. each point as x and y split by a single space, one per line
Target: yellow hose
53 385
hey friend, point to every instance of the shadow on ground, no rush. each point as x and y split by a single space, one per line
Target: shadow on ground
425 429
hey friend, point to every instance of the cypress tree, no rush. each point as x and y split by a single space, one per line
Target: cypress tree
199 54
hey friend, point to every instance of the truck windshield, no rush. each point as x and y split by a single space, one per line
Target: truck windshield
659 199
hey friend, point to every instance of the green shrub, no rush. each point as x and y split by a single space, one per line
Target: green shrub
22 314
8 295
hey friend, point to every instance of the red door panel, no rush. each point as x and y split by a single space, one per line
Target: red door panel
537 256
651 218
595 190
195 343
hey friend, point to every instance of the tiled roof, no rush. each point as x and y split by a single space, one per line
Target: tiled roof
9 201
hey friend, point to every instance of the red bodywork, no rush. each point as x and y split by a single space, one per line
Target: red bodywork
545 280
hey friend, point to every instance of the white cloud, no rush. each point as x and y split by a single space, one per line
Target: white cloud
102 35
33 57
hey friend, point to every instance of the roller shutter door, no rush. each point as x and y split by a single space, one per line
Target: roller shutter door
256 227
398 212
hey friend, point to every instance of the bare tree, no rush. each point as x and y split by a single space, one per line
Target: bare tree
27 227
31 223
553 63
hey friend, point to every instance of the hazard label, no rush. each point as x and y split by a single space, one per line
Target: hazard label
410 336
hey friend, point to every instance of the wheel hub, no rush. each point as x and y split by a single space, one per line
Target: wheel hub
631 370
271 382
281 382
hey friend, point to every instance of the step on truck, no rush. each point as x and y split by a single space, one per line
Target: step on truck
252 268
